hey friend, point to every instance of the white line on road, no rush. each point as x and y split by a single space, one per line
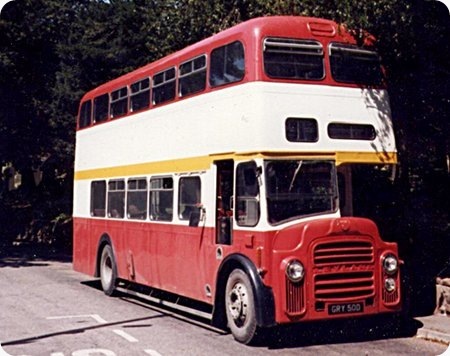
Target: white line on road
125 335
96 317
152 352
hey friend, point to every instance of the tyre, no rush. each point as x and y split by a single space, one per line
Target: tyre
240 307
108 270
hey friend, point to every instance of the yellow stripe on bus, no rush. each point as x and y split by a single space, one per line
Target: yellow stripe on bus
195 164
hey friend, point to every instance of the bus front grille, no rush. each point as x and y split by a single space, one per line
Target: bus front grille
344 285
295 298
343 252
343 270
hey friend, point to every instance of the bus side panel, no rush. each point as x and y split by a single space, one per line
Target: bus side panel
83 249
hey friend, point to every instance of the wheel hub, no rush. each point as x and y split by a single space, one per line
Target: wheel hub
238 302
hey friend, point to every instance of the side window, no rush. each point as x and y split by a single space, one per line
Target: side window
164 86
140 95
189 196
192 76
161 199
84 119
137 199
293 59
101 105
116 198
98 198
227 64
302 130
247 194
119 102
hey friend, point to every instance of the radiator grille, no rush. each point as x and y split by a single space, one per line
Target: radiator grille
342 252
359 284
295 297
345 270
390 298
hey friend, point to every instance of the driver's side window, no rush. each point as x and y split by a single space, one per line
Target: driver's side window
247 194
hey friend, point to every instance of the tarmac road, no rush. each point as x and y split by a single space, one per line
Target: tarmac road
48 309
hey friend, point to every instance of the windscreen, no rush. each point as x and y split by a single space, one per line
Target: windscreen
298 188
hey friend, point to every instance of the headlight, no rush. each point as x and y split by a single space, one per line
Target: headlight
295 271
389 284
390 264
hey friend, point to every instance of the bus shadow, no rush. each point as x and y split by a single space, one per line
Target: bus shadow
302 334
339 332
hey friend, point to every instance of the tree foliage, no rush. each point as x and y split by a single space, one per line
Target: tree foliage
52 51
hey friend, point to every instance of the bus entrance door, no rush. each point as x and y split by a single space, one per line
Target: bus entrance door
224 201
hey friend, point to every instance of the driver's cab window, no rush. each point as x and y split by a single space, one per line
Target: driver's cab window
247 194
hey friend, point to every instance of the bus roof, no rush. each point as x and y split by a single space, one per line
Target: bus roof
282 26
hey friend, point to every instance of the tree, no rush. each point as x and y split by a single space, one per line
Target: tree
52 51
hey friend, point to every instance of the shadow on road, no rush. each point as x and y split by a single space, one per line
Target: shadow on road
338 332
303 334
31 255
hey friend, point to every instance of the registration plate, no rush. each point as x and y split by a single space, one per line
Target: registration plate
345 308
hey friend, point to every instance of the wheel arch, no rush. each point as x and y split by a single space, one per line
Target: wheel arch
102 242
264 300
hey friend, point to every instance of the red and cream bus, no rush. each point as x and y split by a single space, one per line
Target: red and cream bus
235 173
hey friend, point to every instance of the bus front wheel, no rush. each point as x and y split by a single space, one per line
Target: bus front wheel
240 307
108 270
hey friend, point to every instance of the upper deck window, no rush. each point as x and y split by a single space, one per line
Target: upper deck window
227 64
101 106
164 86
192 76
140 95
352 64
293 59
85 114
119 102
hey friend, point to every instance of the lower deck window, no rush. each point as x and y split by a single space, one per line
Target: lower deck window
161 199
189 196
116 199
98 198
137 199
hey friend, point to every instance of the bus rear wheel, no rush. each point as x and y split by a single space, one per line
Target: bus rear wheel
108 271
240 307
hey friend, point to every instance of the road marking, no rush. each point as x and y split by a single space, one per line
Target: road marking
96 317
93 352
57 354
152 352
125 335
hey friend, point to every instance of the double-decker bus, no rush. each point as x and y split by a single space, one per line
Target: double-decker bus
237 173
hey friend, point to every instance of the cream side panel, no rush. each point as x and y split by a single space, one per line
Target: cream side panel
81 198
328 105
248 117
195 127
